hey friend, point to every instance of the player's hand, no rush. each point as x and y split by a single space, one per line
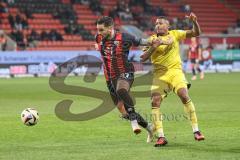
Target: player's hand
192 17
96 47
168 41
157 42
144 56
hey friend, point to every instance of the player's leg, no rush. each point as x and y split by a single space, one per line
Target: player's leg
122 110
157 119
159 90
123 87
180 86
119 103
189 109
200 71
193 65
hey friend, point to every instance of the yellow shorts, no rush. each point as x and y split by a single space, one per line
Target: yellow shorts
171 80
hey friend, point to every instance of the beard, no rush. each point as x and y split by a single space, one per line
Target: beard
160 31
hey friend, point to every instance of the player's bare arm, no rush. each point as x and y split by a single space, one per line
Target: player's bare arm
196 28
156 42
146 55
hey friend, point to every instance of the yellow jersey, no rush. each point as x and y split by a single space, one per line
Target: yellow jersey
167 57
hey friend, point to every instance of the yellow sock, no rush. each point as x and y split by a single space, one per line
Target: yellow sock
190 111
157 121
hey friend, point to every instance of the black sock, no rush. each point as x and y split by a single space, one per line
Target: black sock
141 121
199 70
193 72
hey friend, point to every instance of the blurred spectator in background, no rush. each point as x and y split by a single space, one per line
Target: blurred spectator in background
68 14
173 1
3 42
24 23
207 58
184 56
56 13
11 20
20 22
231 30
85 2
238 22
194 55
159 11
3 9
10 2
231 46
33 38
28 14
69 29
55 36
186 8
96 6
65 15
18 36
123 11
113 13
44 36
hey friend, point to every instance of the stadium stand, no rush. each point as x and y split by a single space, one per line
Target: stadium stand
70 24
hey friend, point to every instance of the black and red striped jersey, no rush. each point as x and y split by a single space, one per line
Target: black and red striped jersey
193 51
115 52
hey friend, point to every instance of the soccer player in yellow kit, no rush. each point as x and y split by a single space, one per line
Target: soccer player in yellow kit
168 75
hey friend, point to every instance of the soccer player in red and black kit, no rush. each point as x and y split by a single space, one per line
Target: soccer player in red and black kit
119 72
194 55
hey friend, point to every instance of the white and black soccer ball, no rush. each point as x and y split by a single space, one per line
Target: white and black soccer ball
30 116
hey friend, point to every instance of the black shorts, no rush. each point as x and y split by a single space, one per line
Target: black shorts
193 60
196 61
112 85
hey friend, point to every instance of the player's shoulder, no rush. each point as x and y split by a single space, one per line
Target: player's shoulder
177 31
127 36
130 38
152 36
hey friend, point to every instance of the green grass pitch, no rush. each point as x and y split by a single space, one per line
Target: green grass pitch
217 100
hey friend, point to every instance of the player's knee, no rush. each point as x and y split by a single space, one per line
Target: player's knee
121 92
126 98
156 100
185 99
183 95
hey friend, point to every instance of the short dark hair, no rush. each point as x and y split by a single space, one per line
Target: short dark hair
163 17
106 21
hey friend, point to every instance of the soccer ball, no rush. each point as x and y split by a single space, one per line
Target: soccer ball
30 116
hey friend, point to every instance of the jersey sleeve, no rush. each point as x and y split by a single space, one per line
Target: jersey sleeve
132 39
180 34
145 48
